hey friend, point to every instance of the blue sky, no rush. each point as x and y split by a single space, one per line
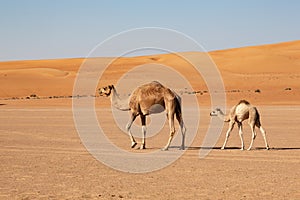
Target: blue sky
43 29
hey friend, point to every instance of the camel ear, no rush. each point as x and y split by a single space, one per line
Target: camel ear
111 87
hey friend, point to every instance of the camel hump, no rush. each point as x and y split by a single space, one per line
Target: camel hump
244 102
156 82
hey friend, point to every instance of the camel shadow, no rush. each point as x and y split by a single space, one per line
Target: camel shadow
199 148
254 148
192 148
2 104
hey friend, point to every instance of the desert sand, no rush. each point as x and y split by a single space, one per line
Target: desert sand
42 156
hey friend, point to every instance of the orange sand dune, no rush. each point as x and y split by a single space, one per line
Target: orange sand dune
275 58
273 71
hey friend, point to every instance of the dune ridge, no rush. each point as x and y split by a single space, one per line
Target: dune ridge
35 71
266 73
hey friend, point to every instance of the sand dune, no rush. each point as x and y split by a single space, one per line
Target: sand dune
268 69
272 69
276 58
34 72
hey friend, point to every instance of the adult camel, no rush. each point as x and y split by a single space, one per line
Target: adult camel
149 98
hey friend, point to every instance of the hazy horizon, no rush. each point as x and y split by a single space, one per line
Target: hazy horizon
34 30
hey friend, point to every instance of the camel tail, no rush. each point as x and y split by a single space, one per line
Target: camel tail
257 120
178 110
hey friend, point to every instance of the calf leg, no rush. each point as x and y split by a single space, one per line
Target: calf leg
230 127
241 135
252 126
263 132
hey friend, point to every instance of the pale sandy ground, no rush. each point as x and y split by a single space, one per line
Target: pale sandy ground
42 156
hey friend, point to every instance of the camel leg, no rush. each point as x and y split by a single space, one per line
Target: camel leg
128 126
172 130
252 126
231 125
182 129
143 119
240 125
263 132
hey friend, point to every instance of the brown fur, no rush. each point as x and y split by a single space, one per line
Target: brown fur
141 103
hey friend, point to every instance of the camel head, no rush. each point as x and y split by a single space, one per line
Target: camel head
105 91
216 112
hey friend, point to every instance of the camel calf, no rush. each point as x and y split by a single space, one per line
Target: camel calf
238 113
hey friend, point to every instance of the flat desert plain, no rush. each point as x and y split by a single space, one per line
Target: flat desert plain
43 157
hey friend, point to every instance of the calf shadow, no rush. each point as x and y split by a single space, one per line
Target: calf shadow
284 148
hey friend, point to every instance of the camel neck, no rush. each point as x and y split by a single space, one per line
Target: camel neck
225 118
117 102
222 116
115 95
